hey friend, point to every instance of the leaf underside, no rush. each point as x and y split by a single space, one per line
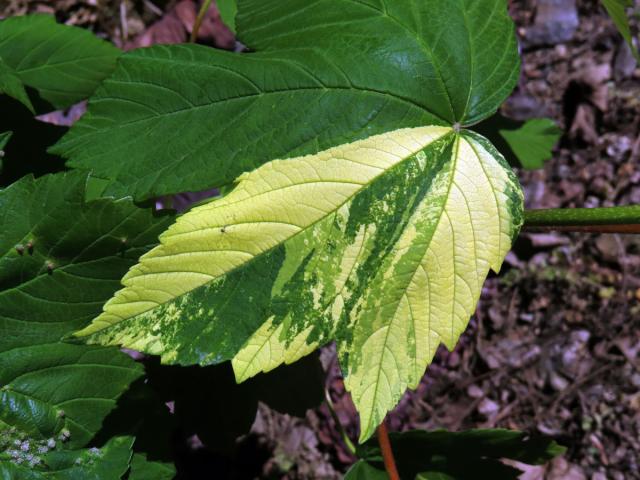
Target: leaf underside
381 245
357 68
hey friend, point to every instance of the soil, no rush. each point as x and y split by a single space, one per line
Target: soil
555 344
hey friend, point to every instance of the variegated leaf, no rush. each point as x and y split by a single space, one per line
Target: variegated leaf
381 245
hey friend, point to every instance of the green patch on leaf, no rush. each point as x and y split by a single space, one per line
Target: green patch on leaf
188 118
63 64
381 245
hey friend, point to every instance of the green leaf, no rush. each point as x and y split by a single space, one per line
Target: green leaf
110 462
11 85
382 245
64 64
188 118
228 10
62 258
4 139
533 142
143 469
463 455
46 389
361 470
617 12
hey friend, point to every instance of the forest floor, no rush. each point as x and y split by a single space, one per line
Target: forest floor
555 344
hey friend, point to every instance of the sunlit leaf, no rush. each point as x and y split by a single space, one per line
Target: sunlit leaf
381 245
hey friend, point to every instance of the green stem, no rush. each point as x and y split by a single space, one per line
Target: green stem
597 220
201 14
345 438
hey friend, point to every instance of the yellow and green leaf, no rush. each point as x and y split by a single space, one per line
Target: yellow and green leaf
381 245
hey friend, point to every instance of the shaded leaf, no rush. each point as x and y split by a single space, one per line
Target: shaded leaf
220 418
64 64
143 469
361 470
617 11
49 388
533 142
228 10
12 86
381 245
110 462
524 144
4 138
142 413
62 258
465 455
189 118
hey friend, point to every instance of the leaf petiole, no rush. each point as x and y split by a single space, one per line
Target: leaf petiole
345 438
597 220
387 452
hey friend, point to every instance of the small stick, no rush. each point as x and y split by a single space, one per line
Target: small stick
201 14
387 453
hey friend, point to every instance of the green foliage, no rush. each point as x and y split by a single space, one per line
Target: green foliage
110 462
63 64
4 139
61 258
11 85
375 228
617 12
143 469
532 143
187 118
228 10
466 455
524 144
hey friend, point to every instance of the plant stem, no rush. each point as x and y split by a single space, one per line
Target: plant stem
597 220
387 453
201 13
345 438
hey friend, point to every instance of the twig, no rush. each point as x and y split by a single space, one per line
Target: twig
123 22
201 14
345 438
153 8
387 453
